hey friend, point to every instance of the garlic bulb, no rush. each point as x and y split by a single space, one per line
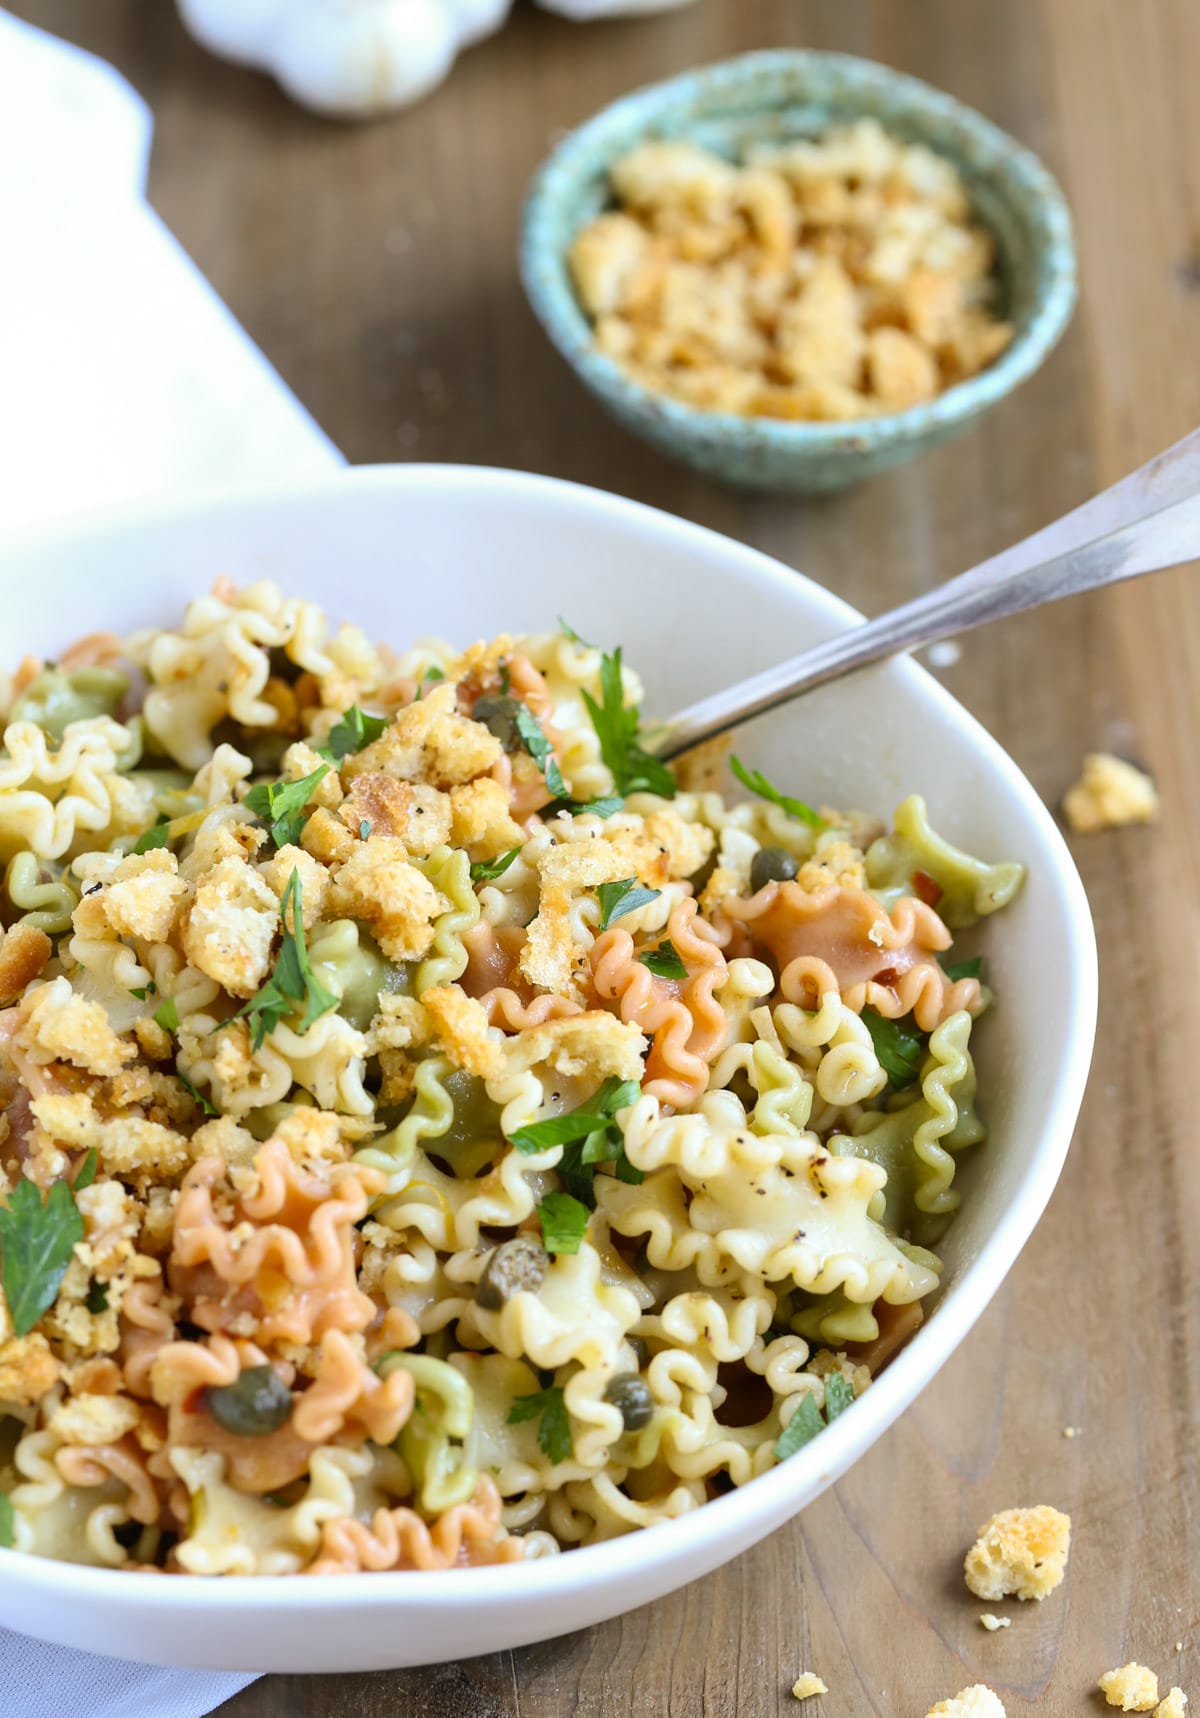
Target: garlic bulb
353 58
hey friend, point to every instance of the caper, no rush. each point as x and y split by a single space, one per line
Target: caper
641 1351
499 716
514 1267
631 1395
771 865
257 1402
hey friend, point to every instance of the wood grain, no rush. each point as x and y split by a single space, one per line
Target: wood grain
375 267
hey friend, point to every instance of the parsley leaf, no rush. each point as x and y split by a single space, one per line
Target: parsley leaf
486 870
539 749
590 1136
899 1049
433 674
97 1297
596 807
569 632
144 990
282 804
364 829
564 1221
801 1429
293 982
151 838
196 1095
36 1244
633 768
757 782
8 1522
807 1421
665 961
616 899
167 1015
352 733
554 1432
955 970
839 1393
87 1171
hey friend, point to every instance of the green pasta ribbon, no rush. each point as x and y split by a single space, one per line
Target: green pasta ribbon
969 888
915 1140
431 1442
348 961
449 870
47 906
55 698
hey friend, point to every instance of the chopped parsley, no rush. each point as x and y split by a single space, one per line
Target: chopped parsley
293 983
487 870
633 768
564 1221
839 1393
589 1136
144 990
807 1421
87 1171
899 1049
8 1523
955 970
569 632
364 829
282 805
97 1296
665 961
351 734
539 749
167 1015
757 782
151 838
36 1243
548 1407
617 899
596 807
196 1095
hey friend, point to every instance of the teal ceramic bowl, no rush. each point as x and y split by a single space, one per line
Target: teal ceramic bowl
776 97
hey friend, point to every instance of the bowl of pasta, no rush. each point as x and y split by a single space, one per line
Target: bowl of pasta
449 1156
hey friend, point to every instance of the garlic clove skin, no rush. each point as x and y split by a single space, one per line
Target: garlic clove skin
351 59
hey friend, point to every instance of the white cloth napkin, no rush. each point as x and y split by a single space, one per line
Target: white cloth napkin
121 375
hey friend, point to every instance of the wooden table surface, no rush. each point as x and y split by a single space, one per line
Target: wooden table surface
375 267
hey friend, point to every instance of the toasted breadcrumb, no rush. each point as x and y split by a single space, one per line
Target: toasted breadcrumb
86 1419
276 872
1172 1704
462 1029
429 741
1132 1688
57 1025
24 951
807 1684
231 925
144 896
991 1623
27 1368
377 884
480 819
974 1702
1109 795
595 1045
379 804
326 838
1019 1552
300 760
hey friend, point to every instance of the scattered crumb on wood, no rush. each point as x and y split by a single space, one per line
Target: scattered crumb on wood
1109 795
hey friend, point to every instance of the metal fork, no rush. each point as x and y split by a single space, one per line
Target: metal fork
1147 521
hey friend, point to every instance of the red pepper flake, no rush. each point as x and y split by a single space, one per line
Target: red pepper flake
887 976
929 891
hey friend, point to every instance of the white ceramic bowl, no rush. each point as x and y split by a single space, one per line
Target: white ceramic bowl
466 553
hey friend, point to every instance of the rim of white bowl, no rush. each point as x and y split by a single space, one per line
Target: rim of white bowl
767 1501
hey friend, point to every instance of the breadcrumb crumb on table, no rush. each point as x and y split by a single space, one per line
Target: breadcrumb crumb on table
1172 1704
1110 794
1019 1553
992 1623
977 1701
807 1684
1132 1688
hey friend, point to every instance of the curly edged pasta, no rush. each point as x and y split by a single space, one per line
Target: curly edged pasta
432 1138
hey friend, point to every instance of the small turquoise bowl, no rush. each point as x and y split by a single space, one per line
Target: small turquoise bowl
774 98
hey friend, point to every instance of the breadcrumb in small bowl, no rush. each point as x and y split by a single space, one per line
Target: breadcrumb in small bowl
801 344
